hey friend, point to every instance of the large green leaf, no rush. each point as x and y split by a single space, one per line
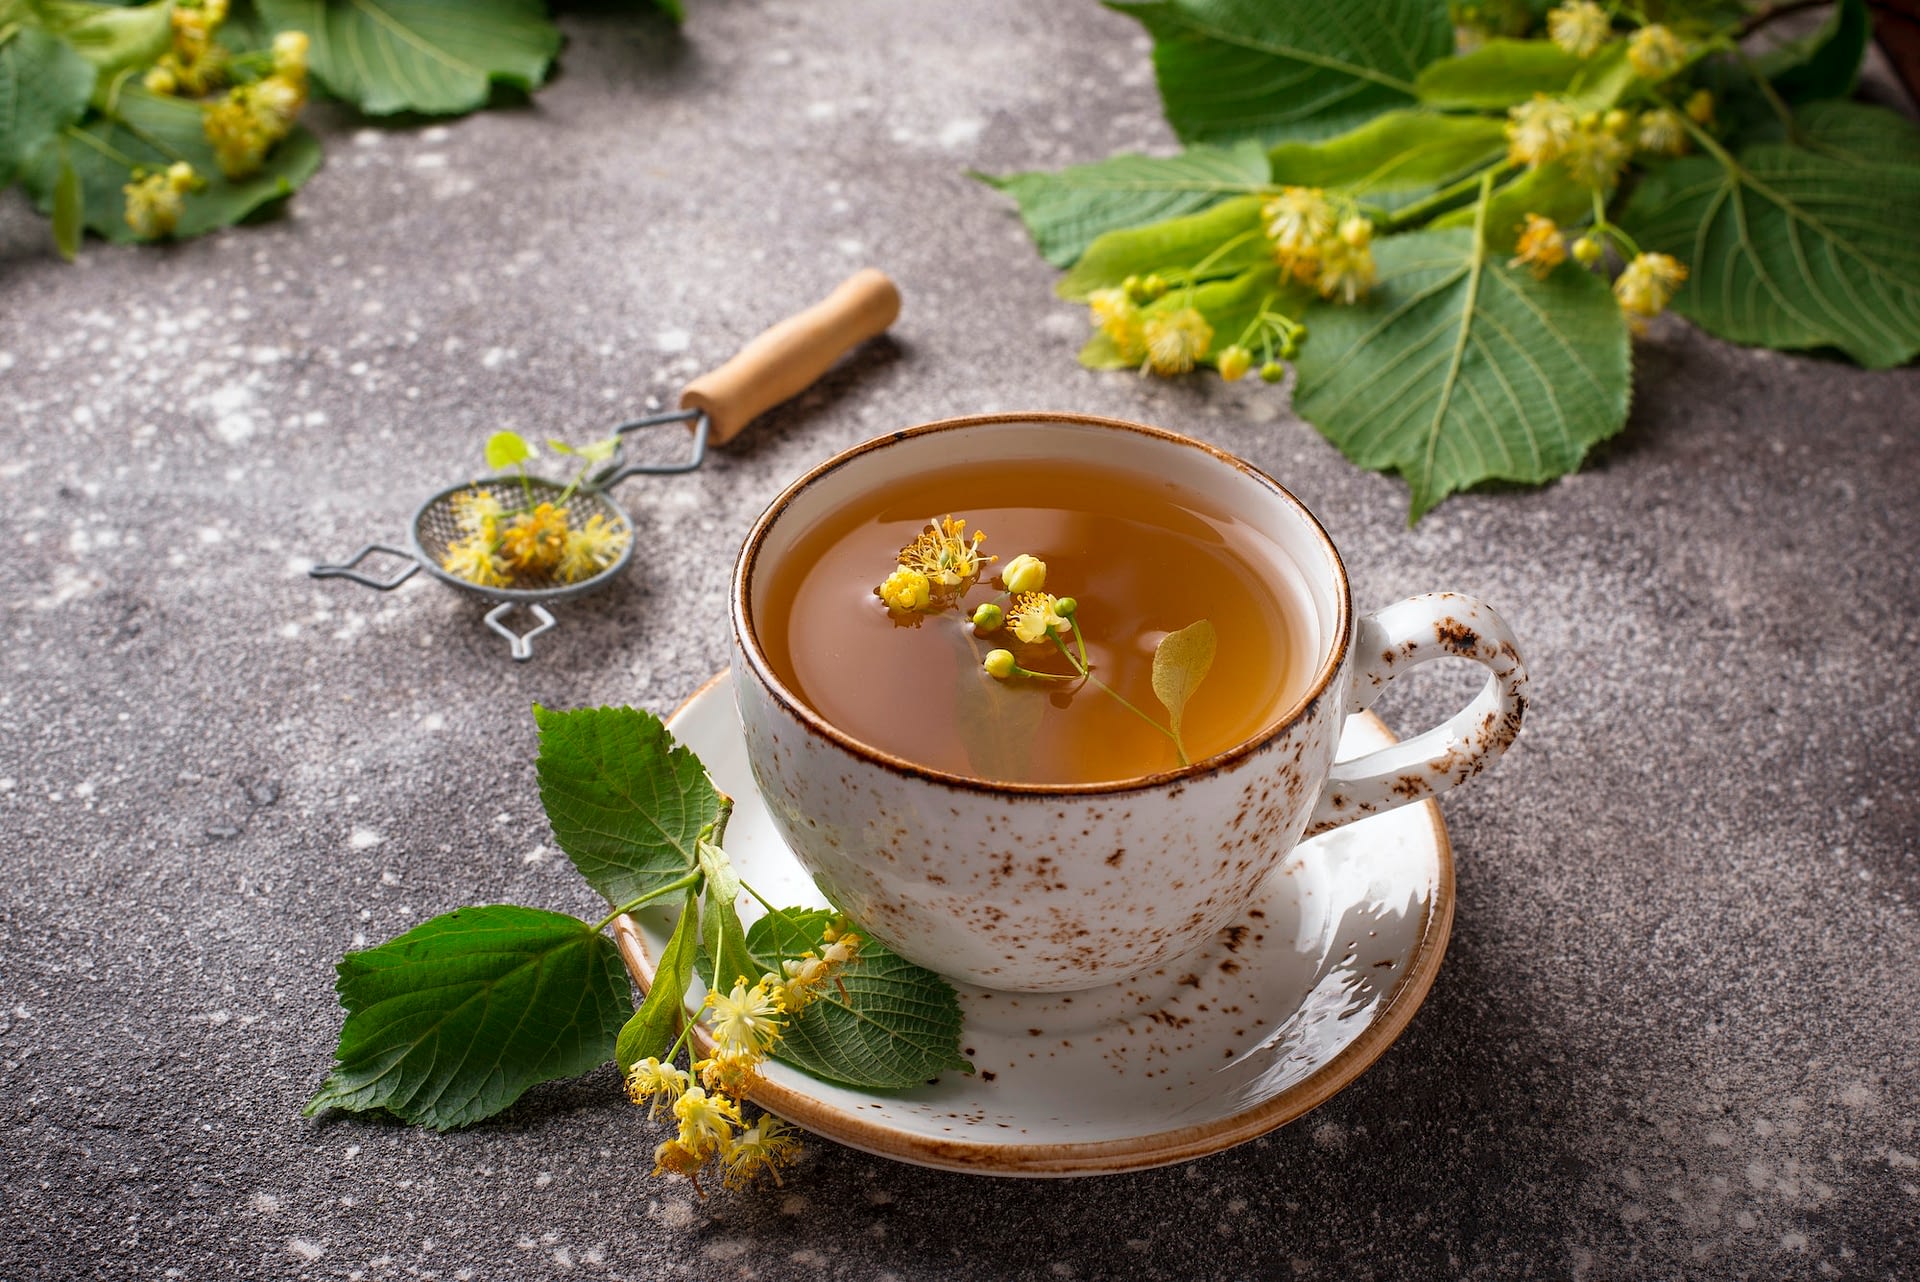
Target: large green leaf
1825 63
1180 243
1459 369
152 132
111 37
1393 158
884 1024
1066 210
1796 246
1497 75
440 57
1232 69
1549 191
44 86
626 805
454 1020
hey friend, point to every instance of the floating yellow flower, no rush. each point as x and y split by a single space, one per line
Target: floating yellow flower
1036 616
999 664
905 590
1024 574
745 1019
1541 248
1655 52
1176 340
1580 28
1539 129
1648 284
1346 262
946 553
535 540
591 548
768 1145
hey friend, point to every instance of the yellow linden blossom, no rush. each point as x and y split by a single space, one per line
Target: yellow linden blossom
661 1084
1655 52
1662 131
196 64
767 1145
1542 248
535 540
156 201
706 1121
1036 615
1596 153
1176 340
905 590
1580 28
1024 574
244 125
1346 262
1539 130
591 548
1297 220
290 54
475 509
1700 106
1116 315
1648 284
746 1019
473 559
729 1072
946 553
676 1158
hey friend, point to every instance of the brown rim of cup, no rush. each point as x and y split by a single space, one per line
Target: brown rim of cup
741 616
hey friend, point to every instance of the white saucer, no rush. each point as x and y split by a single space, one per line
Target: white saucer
1335 952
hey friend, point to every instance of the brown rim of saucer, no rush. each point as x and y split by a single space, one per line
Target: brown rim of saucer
1137 1153
743 628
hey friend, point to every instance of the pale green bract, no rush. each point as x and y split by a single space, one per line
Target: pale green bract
1180 663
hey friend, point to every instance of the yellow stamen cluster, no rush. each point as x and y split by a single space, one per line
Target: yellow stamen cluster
1176 340
1580 27
1035 616
1316 246
1655 52
1661 131
942 561
1539 130
1599 150
744 1023
196 64
156 201
1346 262
1115 314
1648 284
1542 247
496 545
244 125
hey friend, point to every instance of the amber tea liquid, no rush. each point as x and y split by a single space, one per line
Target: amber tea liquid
1141 558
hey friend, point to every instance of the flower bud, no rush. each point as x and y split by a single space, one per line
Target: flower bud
1272 372
999 664
1024 574
1234 363
1153 286
1065 606
989 617
1586 251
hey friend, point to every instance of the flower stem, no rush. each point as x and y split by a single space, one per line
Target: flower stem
1445 196
691 879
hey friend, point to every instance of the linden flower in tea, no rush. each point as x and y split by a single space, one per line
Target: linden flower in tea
1038 621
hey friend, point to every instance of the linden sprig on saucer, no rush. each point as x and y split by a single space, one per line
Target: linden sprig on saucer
936 571
454 1020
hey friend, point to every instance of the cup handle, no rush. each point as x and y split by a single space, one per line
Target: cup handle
1387 643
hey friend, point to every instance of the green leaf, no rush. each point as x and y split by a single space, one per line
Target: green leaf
504 449
440 57
44 86
151 132
626 805
1825 63
894 1025
1175 244
1794 246
672 8
1180 663
69 211
1605 79
1393 158
656 1024
1497 75
1230 306
728 957
111 37
1067 210
454 1020
1549 191
1458 368
1232 69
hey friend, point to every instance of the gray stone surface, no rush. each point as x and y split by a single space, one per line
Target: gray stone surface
1674 1034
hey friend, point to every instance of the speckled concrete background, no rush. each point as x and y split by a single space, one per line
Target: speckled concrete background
1675 1034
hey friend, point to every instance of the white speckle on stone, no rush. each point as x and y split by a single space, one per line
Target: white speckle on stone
83 789
850 247
677 1214
822 110
209 534
1897 1159
298 565
1793 1241
780 57
6 785
433 721
537 855
266 355
1330 1135
543 1179
1857 1095
305 1250
216 1018
495 357
960 133
793 1204
232 422
364 838
366 138
353 1151
429 160
435 135
727 1248
290 630
267 1204
672 340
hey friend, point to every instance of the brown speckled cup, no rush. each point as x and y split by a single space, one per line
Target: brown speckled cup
1051 887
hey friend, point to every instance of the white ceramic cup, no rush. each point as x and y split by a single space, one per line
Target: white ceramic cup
1051 887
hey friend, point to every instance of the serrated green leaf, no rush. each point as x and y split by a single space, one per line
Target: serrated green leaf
625 803
1458 368
1233 69
1549 191
1793 246
112 37
1826 62
1175 244
504 449
454 1020
1065 211
886 1024
725 941
1230 306
1497 75
69 211
44 87
151 132
438 57
1180 663
1393 158
656 1024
